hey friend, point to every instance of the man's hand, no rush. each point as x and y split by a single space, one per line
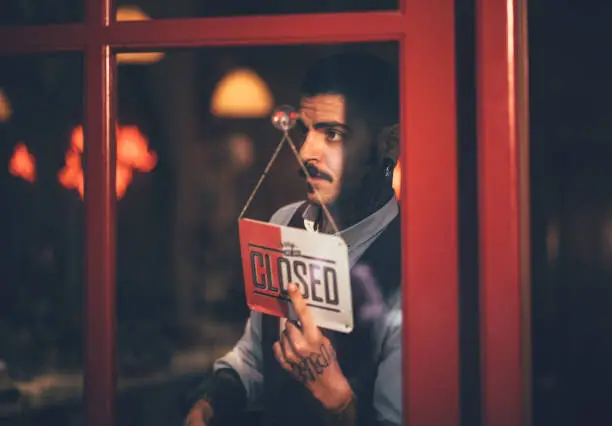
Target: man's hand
309 356
200 415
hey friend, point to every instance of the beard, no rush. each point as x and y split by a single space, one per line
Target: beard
363 191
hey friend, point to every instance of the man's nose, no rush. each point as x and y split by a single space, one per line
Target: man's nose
312 148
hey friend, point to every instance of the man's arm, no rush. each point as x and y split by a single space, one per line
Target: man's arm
388 384
246 359
237 378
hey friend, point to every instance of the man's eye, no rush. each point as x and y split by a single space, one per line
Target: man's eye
333 135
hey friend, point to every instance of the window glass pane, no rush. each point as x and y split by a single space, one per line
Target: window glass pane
40 12
134 10
198 124
41 241
571 212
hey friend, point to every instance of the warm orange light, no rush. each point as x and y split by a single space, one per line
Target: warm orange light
6 110
124 177
397 179
71 176
242 93
133 149
77 139
132 153
22 163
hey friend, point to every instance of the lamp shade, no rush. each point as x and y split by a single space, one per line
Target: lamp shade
242 94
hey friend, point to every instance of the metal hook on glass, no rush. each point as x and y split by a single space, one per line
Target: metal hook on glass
284 118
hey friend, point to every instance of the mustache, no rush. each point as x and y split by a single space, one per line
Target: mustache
314 172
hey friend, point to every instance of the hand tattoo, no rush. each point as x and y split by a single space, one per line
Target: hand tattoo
313 365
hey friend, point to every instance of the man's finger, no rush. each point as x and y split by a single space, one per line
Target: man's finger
303 313
288 348
284 347
278 354
296 339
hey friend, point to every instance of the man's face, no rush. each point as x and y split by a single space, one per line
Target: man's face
325 149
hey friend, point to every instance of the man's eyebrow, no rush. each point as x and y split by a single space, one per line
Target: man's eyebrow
323 125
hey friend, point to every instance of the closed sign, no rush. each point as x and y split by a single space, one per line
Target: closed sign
274 256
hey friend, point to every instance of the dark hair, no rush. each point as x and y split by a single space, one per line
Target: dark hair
369 84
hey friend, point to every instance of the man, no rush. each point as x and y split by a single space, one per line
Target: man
298 373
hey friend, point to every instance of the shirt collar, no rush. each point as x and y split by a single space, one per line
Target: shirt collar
362 231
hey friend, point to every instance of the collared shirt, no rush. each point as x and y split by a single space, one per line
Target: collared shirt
246 358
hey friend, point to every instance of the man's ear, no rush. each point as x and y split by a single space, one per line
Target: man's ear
389 143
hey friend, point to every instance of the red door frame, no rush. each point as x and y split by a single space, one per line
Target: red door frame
503 186
425 31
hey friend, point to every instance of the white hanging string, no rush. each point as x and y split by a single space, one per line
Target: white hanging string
262 177
286 124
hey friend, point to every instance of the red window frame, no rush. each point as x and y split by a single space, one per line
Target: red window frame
425 32
503 212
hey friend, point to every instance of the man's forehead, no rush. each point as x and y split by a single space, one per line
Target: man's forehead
323 108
